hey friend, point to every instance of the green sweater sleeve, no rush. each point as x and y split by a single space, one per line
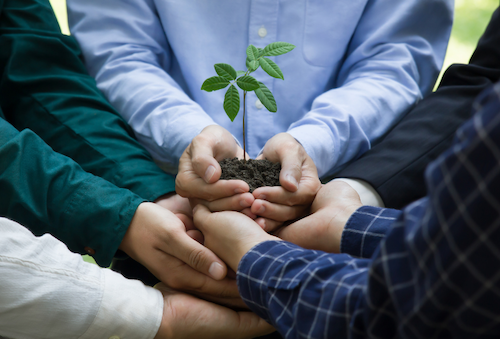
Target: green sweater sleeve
44 86
49 193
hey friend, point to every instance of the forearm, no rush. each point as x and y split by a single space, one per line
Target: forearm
302 293
48 192
72 116
49 292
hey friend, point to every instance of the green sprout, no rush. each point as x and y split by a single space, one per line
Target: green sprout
227 76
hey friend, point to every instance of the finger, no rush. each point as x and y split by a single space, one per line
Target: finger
196 255
278 195
207 149
237 202
178 275
248 213
277 212
234 302
193 187
186 220
196 235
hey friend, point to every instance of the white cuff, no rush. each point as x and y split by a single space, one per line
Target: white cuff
368 195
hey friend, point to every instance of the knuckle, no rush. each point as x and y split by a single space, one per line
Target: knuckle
196 258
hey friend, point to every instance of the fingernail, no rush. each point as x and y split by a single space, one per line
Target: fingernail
216 270
239 190
292 180
262 209
262 197
209 173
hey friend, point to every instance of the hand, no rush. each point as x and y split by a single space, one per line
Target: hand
179 206
187 317
299 183
322 230
229 234
157 239
199 171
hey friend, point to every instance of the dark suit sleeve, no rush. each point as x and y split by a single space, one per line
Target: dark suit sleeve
44 86
395 165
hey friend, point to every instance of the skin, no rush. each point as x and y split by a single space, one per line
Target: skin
199 174
187 317
231 235
158 239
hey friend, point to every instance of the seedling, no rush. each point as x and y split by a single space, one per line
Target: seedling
227 76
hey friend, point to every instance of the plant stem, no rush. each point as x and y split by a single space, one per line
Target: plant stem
244 137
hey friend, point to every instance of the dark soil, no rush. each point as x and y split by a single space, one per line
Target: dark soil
256 173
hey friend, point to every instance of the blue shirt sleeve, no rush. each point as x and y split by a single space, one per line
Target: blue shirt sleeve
365 229
434 275
358 66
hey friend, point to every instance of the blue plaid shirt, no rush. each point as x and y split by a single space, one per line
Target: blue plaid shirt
430 271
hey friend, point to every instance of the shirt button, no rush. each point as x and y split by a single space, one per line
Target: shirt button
114 337
91 251
258 104
262 32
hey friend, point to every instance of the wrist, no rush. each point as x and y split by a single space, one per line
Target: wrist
337 226
246 246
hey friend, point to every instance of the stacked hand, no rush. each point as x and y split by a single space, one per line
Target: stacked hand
158 239
187 317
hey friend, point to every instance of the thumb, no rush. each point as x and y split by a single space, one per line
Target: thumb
291 172
198 256
299 232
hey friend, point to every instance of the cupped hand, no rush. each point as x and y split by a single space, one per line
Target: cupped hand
299 183
322 230
229 234
187 317
199 169
157 239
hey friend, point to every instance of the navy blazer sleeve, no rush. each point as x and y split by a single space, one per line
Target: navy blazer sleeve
397 163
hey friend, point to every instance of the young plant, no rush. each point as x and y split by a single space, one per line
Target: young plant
227 76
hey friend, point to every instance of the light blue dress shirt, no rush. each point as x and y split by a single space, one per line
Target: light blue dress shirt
359 65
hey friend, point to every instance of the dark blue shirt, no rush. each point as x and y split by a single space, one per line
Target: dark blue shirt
429 271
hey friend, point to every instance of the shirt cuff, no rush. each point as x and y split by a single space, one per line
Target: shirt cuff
128 309
368 195
365 229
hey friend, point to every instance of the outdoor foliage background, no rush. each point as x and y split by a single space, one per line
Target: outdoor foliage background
471 18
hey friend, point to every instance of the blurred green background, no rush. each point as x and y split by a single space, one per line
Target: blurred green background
471 18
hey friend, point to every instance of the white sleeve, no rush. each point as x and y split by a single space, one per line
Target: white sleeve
48 292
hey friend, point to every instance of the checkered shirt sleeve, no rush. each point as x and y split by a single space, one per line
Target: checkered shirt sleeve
365 229
435 275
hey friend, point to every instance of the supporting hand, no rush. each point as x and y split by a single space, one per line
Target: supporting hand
299 183
229 234
157 239
322 230
187 317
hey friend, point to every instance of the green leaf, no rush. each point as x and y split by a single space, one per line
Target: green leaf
247 83
252 65
225 71
261 51
271 68
214 83
232 102
277 48
252 53
266 97
238 73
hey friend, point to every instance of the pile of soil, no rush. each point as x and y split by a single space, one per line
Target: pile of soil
256 173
